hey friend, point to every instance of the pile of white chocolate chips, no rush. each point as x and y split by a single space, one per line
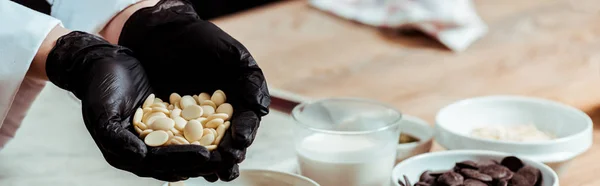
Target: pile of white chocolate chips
199 119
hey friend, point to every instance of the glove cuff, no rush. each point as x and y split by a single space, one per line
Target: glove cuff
69 63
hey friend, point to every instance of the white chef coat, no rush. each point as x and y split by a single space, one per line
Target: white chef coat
22 31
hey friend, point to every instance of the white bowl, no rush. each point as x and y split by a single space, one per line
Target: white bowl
445 160
418 128
572 127
257 177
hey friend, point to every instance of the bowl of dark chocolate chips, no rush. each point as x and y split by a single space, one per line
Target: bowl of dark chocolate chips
472 168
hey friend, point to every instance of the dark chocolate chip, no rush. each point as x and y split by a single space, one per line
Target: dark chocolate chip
467 164
427 177
519 180
402 183
512 163
422 184
451 179
502 183
407 181
474 174
484 163
472 182
456 169
437 173
496 171
530 174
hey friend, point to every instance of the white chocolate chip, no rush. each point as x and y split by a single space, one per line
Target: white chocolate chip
156 138
225 108
175 113
207 110
218 115
206 131
147 110
203 97
192 119
209 102
137 116
193 130
146 132
138 130
148 101
191 112
173 141
218 97
168 142
153 117
213 131
171 135
179 140
214 123
187 101
175 132
163 124
195 98
202 120
141 125
160 109
174 98
145 116
220 133
180 134
207 139
180 123
211 147
161 105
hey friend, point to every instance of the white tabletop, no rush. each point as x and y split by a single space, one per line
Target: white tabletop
52 147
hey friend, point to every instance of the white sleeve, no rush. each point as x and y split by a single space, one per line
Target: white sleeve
22 31
87 15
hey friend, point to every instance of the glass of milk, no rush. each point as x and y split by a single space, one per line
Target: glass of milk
346 141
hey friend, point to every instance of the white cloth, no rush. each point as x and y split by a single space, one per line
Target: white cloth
22 31
87 15
454 23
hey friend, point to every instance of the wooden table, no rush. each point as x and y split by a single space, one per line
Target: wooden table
544 48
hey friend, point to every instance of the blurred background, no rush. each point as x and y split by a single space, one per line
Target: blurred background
417 55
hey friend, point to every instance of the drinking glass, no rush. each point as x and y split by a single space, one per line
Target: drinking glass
346 141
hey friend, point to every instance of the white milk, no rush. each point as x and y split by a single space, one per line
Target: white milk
337 160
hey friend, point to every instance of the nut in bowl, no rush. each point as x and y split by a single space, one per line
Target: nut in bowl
472 168
416 137
533 128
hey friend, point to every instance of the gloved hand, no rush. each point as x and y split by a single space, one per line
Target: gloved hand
111 84
185 54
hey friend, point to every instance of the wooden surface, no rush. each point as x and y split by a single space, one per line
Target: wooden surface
544 48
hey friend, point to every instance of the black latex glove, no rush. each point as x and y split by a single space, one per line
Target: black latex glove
111 85
184 54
